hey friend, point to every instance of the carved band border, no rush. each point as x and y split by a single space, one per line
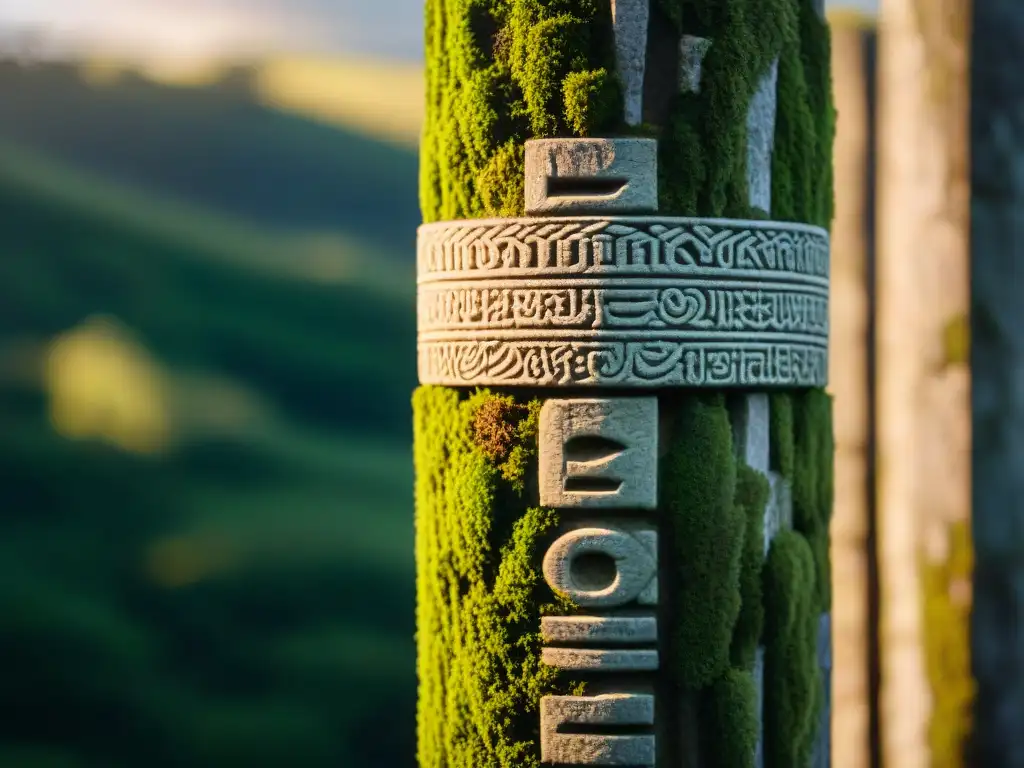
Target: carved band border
623 301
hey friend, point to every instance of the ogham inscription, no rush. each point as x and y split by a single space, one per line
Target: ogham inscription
601 455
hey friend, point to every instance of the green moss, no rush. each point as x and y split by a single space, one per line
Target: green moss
804 125
751 498
946 587
698 482
813 482
781 435
506 432
592 99
792 686
500 72
731 720
706 132
480 593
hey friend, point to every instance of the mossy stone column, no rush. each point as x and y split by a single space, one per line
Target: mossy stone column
623 450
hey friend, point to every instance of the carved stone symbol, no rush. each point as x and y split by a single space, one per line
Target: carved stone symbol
595 630
604 567
629 21
601 660
597 176
562 715
599 453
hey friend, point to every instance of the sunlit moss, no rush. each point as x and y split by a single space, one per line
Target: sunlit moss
503 71
480 592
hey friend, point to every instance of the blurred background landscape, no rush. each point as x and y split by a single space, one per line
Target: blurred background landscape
206 358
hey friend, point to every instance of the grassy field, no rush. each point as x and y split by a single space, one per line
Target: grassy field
206 358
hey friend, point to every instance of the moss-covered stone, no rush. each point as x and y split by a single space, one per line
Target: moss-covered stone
946 586
480 593
698 484
751 498
781 435
498 73
813 482
731 720
792 681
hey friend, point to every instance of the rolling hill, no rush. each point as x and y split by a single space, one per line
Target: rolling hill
206 357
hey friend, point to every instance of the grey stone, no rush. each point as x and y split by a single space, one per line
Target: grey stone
752 428
601 660
559 714
778 515
599 630
629 22
761 140
637 302
604 567
591 176
692 51
823 740
599 453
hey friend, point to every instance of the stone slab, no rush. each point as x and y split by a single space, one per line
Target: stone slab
599 630
604 566
591 176
559 714
599 453
601 660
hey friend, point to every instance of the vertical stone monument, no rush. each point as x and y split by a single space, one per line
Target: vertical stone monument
623 449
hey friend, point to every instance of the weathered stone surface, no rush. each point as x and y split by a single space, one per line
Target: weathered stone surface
604 566
601 660
561 713
754 419
761 140
599 453
591 176
629 21
599 630
623 302
692 51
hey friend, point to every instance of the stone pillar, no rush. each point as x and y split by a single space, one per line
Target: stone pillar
622 347
923 382
850 329
997 370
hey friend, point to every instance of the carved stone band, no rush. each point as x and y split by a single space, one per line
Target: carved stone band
623 302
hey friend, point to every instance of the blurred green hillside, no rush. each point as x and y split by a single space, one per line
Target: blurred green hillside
206 358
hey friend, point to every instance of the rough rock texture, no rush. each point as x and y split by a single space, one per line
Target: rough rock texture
619 565
599 453
591 748
591 176
997 361
630 19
